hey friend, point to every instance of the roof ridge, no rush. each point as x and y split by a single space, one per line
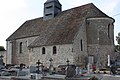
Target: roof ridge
90 4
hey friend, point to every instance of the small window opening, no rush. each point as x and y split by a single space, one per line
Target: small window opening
43 50
54 50
109 30
21 47
81 42
49 7
48 14
58 7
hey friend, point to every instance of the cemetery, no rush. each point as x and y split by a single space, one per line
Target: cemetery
40 72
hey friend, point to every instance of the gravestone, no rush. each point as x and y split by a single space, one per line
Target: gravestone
33 69
22 73
2 64
1 60
70 71
79 71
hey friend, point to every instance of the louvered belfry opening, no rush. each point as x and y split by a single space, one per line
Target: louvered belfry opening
51 9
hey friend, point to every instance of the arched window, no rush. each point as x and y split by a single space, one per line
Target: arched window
20 47
54 50
43 50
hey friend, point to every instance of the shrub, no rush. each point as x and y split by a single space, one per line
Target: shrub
2 48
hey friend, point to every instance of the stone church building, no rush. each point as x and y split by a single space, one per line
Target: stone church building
82 34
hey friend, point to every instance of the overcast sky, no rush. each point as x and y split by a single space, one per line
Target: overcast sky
13 13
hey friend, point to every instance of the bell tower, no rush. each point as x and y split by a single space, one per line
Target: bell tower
51 9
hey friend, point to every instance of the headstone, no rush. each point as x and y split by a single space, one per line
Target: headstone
113 69
5 73
22 73
33 69
88 68
1 61
51 69
70 71
77 70
38 76
2 64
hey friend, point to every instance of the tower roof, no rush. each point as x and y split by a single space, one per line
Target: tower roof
52 1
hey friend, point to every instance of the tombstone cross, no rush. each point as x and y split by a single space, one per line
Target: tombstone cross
38 66
67 62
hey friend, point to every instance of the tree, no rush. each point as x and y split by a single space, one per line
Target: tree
118 41
2 48
118 38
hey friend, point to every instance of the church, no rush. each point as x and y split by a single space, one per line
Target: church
82 35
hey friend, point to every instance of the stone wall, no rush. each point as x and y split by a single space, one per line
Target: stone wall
101 51
102 29
9 53
100 39
64 52
18 57
80 56
24 56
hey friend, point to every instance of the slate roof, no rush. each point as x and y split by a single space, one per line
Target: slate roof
59 30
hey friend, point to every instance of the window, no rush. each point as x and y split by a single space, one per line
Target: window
72 50
58 7
48 14
54 50
109 30
49 7
43 50
21 47
81 43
